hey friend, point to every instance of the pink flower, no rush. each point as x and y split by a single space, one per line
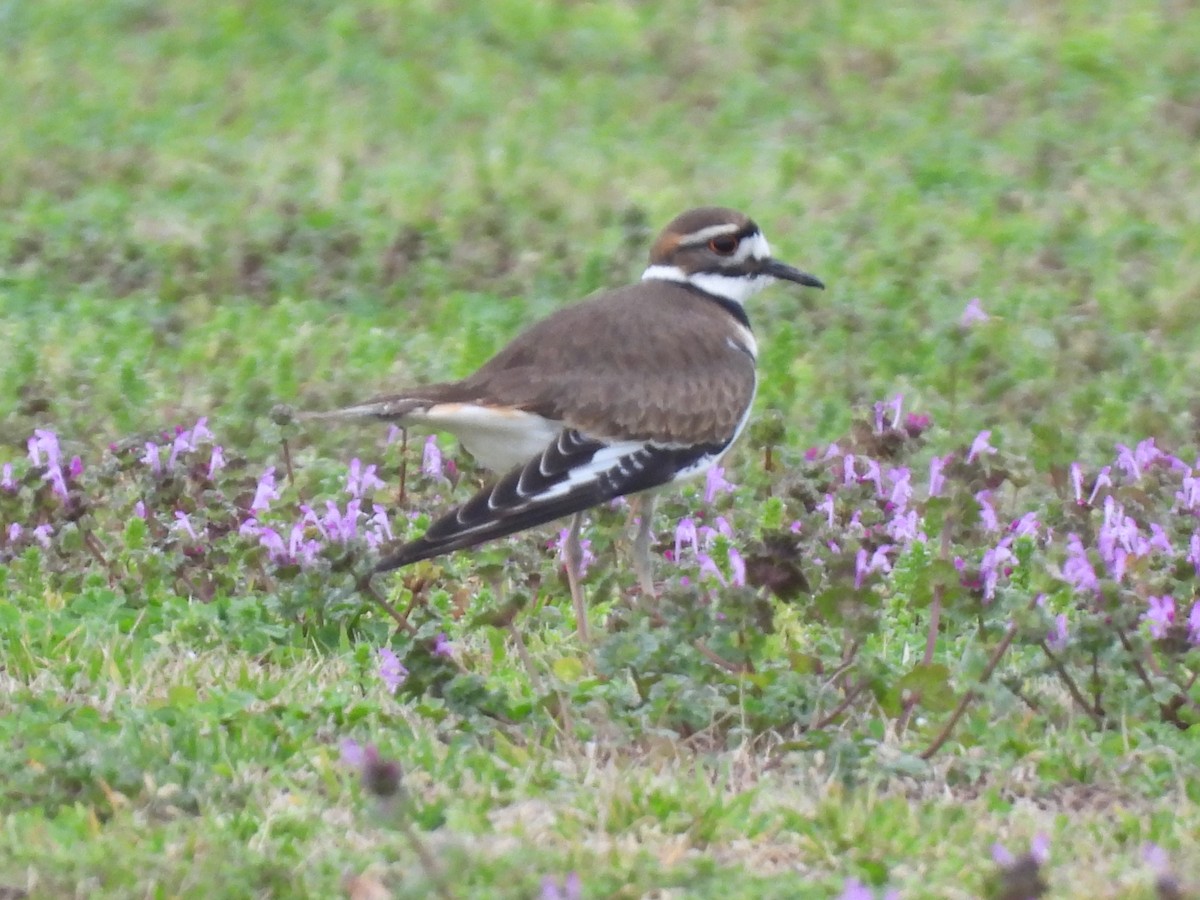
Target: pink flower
826 506
872 474
265 493
981 446
442 646
151 458
973 314
216 462
431 460
352 753
184 524
737 568
1102 481
715 483
1160 615
902 489
1077 568
937 480
572 888
685 535
987 512
391 670
361 479
1057 639
994 564
586 558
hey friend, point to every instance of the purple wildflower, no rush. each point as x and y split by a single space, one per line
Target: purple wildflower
972 314
586 558
431 460
352 753
341 526
1057 639
391 670
75 469
1194 623
44 441
987 512
826 506
872 474
360 479
856 890
715 483
270 539
709 567
1193 555
905 527
14 532
849 476
902 489
897 409
379 529
151 458
572 888
981 446
685 533
7 482
442 646
216 462
867 563
1128 463
1103 480
394 433
1160 615
54 474
42 534
264 493
992 566
1039 848
917 423
184 524
139 509
937 480
737 568
1026 526
1188 495
1156 858
1077 568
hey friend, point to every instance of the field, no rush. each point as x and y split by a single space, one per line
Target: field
935 631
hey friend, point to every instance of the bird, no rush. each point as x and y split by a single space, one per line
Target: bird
626 392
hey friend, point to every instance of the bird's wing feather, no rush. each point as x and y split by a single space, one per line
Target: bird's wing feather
574 473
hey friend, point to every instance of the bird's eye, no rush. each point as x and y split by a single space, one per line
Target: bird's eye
725 245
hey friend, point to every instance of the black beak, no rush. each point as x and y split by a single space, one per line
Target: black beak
784 272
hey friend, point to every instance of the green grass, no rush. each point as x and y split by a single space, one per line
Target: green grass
210 209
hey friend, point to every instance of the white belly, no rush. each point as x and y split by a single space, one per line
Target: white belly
500 439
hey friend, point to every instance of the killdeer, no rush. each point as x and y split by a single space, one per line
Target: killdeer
630 390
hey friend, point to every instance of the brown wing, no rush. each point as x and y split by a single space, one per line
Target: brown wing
670 368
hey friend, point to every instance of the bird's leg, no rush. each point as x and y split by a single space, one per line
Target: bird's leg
573 551
641 545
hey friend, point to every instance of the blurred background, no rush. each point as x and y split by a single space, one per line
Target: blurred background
210 208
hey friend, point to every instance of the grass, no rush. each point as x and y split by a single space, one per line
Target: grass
212 210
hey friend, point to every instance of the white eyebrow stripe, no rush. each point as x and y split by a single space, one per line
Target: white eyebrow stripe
707 234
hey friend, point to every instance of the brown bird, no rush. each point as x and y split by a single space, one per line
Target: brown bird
630 390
